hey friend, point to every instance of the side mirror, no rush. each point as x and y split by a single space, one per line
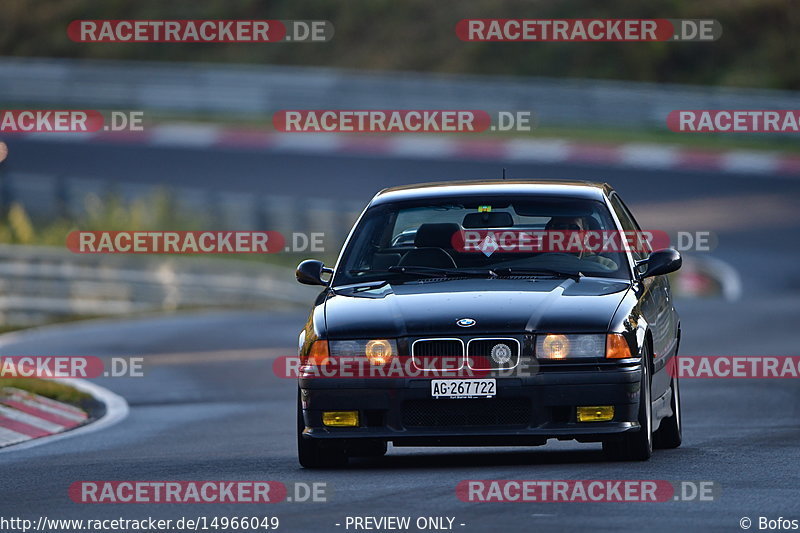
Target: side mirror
661 262
310 271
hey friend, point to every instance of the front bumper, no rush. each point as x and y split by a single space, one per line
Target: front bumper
525 411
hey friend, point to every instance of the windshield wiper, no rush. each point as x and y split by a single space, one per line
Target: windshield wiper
391 271
538 272
434 272
409 272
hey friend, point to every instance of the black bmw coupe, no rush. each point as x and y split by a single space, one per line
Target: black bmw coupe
490 313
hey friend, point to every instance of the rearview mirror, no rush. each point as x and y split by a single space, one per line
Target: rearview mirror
661 262
310 271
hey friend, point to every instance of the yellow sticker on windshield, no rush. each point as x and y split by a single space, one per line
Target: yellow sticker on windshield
484 209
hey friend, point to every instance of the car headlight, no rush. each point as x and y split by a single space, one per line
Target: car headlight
557 346
377 351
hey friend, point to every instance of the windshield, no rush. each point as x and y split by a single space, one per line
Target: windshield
480 237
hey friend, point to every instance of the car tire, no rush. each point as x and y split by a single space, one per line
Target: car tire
636 446
670 432
317 453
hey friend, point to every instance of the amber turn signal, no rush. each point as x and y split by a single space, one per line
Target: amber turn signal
617 347
318 354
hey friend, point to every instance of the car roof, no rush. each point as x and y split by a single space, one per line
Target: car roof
513 187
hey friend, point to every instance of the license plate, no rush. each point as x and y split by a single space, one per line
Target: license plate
463 388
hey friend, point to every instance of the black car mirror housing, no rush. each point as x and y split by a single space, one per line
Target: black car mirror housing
310 271
661 262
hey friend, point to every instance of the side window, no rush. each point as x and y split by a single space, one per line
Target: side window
627 221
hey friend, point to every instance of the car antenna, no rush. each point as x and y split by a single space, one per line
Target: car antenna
504 172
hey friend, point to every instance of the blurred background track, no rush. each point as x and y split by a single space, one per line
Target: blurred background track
223 168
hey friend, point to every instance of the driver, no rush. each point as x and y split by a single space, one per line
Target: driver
569 223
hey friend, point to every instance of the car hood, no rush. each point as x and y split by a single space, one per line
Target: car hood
496 305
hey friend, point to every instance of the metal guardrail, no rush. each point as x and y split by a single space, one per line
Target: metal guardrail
258 90
39 284
42 284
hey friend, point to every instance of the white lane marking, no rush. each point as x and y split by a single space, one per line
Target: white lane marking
42 406
648 155
422 146
750 162
116 411
534 150
19 416
550 150
58 406
185 135
306 142
8 436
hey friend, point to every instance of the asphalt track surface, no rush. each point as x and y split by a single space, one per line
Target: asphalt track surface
210 408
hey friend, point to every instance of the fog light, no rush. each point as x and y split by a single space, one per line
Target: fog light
340 418
596 413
